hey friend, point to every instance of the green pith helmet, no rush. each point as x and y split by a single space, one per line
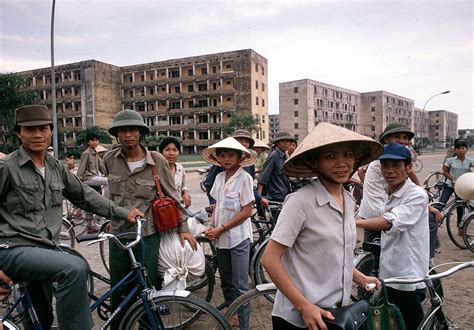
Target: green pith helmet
128 118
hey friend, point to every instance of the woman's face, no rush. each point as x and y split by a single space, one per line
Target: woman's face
171 153
335 163
461 151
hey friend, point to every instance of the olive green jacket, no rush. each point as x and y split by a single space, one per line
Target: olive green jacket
138 189
90 164
31 207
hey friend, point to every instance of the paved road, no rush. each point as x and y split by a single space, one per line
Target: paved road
459 289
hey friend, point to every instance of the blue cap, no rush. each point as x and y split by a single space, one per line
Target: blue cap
395 151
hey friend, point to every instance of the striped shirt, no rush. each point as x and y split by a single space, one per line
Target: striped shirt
231 197
375 196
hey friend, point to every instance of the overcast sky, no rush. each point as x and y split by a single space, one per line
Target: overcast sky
411 48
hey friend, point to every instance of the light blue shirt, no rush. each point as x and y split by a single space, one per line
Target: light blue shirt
458 168
231 197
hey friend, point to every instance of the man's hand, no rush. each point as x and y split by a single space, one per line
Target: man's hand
133 214
264 202
187 236
4 278
438 215
313 316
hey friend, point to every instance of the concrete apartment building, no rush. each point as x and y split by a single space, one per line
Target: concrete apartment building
442 128
273 126
305 103
192 97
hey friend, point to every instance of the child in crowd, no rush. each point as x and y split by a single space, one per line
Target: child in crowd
309 255
230 226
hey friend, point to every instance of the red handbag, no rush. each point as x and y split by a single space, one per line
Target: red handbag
164 209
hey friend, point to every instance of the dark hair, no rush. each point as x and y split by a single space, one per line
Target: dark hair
222 150
69 154
17 128
460 143
91 136
167 141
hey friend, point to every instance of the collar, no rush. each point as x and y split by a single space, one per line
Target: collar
92 151
236 175
25 157
281 153
118 152
402 189
324 197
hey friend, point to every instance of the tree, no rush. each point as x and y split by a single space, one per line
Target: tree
247 122
104 137
12 95
153 141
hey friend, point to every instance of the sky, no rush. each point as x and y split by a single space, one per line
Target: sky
415 49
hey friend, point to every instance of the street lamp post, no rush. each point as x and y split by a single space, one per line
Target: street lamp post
423 117
53 87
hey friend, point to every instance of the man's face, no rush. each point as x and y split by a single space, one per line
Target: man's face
244 141
93 143
35 138
394 171
283 145
129 136
400 138
461 151
292 147
334 164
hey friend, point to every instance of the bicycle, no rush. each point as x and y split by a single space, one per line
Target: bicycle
434 184
417 164
153 309
434 318
468 231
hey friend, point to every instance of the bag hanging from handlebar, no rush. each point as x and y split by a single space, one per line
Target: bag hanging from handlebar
164 209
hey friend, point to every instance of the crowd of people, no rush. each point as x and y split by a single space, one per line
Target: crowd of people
315 234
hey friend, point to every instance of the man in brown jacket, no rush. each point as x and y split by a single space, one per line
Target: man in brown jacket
129 171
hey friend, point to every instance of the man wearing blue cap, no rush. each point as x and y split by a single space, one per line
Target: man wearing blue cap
405 233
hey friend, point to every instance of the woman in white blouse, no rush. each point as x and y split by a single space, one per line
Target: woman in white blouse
170 148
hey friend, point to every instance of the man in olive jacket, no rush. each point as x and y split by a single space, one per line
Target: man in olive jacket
32 187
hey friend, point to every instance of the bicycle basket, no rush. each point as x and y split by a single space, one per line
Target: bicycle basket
384 315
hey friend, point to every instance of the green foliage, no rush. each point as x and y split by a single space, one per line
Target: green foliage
152 141
104 137
247 122
12 96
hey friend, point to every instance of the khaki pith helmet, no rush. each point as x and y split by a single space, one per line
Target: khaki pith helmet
243 133
126 118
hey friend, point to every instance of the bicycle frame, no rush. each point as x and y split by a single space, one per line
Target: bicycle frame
24 298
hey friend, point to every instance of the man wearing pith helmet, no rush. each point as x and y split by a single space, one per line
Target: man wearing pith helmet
315 234
374 197
129 171
32 187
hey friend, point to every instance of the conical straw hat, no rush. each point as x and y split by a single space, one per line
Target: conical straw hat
209 154
260 144
464 186
365 149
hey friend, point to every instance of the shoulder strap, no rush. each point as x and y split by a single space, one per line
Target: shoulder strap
156 178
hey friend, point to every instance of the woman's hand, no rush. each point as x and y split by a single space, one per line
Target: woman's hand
186 198
313 316
187 236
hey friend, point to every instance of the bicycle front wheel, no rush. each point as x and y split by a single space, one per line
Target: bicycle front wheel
367 266
257 302
454 224
104 247
176 312
417 165
468 232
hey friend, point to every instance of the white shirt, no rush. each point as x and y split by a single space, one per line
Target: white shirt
134 165
405 246
375 196
321 239
230 197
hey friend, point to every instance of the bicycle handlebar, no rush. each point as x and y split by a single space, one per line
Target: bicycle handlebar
452 270
106 236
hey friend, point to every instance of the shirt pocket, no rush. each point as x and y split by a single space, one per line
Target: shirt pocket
231 201
28 197
56 193
116 185
145 189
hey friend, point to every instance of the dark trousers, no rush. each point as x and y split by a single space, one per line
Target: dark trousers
42 267
409 303
433 225
234 271
120 266
281 324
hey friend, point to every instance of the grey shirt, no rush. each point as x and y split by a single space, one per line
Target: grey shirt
320 240
31 206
